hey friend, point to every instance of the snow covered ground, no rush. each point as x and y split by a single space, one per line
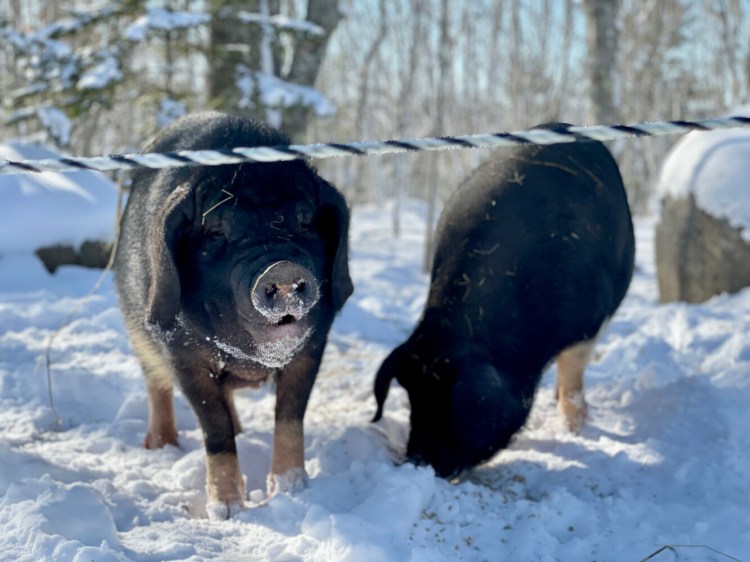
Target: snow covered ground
663 460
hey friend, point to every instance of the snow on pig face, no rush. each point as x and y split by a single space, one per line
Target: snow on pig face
267 286
249 258
258 255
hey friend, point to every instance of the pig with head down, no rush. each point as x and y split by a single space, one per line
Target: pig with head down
229 276
534 254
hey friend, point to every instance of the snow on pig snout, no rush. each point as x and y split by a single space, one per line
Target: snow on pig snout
284 292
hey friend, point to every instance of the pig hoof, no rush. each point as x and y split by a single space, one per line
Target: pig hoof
574 424
293 480
573 411
157 441
226 496
221 511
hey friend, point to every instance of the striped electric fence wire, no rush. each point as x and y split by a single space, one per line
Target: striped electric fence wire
363 148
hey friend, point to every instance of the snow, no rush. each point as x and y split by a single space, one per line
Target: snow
169 111
274 354
37 44
101 75
713 167
77 19
282 23
277 93
164 20
664 457
64 26
50 208
56 123
167 20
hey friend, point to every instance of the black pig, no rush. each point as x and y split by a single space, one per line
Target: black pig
228 276
534 254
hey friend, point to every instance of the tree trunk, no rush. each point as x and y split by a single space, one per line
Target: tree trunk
233 43
407 74
444 60
309 52
601 25
362 121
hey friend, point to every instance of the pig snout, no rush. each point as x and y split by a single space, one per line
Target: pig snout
285 292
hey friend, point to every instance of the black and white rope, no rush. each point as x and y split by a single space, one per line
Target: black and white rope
362 148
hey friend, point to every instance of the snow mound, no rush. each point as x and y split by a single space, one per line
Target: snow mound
49 208
51 528
713 167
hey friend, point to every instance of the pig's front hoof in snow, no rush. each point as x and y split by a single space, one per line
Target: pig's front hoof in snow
221 511
225 487
293 480
229 503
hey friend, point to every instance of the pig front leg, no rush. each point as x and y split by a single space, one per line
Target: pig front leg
293 386
213 405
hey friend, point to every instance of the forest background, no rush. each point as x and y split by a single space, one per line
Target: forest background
100 77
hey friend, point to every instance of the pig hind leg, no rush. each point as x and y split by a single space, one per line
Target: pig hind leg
571 363
161 424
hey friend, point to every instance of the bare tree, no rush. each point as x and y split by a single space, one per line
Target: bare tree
309 52
408 79
653 82
443 80
362 122
601 25
559 96
732 34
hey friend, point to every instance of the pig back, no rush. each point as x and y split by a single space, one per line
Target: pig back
534 252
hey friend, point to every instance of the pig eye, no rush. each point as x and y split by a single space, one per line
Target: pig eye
213 233
305 221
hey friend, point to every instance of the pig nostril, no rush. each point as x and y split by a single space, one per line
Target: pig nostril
271 290
298 286
287 319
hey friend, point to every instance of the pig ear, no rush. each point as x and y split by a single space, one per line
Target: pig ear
163 298
397 364
383 384
483 410
334 221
